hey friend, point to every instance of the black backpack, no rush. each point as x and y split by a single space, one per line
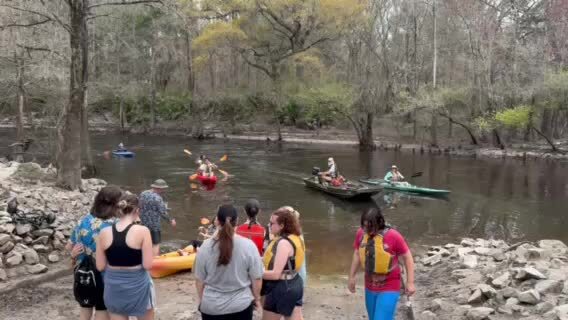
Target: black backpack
88 282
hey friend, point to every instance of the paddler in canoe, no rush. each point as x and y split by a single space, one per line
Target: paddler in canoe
332 175
394 176
205 173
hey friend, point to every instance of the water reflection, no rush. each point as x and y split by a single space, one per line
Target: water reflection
506 199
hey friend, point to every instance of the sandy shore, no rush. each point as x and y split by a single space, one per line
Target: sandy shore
326 299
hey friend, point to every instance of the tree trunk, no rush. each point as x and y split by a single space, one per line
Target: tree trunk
450 125
434 130
87 155
153 108
497 142
122 115
435 60
21 98
69 159
554 148
366 140
190 74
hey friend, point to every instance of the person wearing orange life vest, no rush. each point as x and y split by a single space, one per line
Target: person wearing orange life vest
282 286
377 248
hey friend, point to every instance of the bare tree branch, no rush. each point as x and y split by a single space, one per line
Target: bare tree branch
123 2
306 48
25 25
41 14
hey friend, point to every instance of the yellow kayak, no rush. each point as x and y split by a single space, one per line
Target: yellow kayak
173 262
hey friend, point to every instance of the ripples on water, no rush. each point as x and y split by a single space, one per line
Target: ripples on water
505 199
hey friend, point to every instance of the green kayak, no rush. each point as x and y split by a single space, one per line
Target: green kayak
404 187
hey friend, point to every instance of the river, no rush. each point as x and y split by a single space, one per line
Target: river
504 199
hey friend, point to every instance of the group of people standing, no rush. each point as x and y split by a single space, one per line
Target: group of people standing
240 268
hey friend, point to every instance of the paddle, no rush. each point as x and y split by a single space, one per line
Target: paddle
417 174
224 158
194 176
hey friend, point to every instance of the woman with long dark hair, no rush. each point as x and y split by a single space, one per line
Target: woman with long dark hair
251 228
377 249
82 246
124 252
228 272
283 288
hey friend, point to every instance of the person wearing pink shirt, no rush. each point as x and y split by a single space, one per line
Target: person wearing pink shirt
382 291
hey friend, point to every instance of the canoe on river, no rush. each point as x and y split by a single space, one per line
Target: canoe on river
404 187
123 153
349 190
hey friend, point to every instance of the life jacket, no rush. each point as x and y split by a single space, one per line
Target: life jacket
374 257
295 262
254 232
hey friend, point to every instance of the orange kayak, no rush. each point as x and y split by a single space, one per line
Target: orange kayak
172 262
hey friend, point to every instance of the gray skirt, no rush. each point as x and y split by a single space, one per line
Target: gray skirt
128 292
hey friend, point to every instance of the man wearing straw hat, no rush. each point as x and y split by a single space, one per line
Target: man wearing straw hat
152 210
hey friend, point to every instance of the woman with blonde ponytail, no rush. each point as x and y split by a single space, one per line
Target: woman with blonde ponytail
228 272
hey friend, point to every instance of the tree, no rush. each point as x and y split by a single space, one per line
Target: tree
268 33
521 117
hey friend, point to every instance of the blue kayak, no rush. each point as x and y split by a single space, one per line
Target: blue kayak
123 153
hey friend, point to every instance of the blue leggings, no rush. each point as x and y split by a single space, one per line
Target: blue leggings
381 305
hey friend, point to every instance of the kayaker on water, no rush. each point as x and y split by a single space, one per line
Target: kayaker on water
332 175
206 167
121 147
394 175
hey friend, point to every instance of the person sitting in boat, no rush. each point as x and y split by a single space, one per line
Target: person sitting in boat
121 147
332 175
394 175
206 167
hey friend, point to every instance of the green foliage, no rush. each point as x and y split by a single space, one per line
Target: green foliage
554 91
321 103
517 117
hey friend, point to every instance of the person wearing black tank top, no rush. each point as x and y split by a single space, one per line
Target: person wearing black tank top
124 252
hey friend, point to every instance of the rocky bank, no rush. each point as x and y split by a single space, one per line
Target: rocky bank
36 218
490 279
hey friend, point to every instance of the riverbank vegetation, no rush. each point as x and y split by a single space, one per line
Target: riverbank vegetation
485 72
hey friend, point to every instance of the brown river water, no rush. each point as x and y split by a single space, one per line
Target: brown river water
504 199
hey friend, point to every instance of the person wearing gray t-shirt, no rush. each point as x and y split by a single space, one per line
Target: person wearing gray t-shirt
228 272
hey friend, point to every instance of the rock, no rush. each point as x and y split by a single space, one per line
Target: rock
480 313
435 305
558 274
498 256
481 242
433 260
502 281
467 243
58 235
549 286
464 251
487 290
509 292
16 272
37 268
41 240
565 290
529 273
512 301
556 246
476 297
7 247
7 228
22 229
544 307
561 311
41 248
505 309
428 315
450 246
469 261
31 256
59 245
53 257
529 297
3 275
536 254
42 233
4 238
556 263
482 251
14 260
28 240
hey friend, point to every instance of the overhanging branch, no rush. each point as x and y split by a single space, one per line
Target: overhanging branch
123 3
25 25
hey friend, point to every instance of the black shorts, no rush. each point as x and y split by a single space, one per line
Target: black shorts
242 315
156 236
283 296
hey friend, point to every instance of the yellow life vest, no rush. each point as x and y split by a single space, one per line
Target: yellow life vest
374 258
295 262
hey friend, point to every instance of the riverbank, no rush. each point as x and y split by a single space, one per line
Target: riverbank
336 136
